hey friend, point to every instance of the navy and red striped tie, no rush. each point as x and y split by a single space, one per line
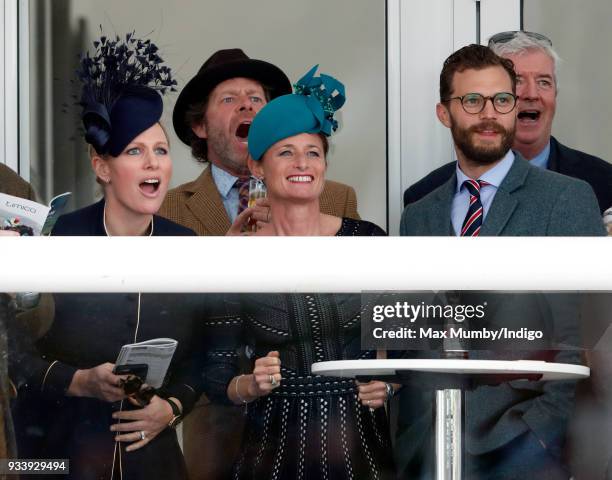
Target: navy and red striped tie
473 219
242 184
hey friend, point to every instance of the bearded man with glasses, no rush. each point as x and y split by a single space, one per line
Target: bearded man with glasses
536 64
478 104
511 431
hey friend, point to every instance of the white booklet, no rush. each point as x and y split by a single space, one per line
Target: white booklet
30 218
155 353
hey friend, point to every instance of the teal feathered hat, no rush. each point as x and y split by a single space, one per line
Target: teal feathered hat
309 110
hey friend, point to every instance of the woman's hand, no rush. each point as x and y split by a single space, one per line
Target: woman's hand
99 382
142 425
8 233
374 394
266 375
258 215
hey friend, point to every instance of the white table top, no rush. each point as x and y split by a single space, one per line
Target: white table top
385 367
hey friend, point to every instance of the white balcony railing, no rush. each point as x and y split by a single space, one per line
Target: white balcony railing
314 264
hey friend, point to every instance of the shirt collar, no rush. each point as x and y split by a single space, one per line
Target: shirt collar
224 180
494 176
541 159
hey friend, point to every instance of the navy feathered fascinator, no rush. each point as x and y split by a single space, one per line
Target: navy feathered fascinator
310 109
121 85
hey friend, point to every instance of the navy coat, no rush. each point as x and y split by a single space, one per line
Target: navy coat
89 329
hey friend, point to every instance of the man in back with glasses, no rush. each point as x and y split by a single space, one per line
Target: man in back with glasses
536 65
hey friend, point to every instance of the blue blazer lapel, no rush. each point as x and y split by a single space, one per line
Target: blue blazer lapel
505 203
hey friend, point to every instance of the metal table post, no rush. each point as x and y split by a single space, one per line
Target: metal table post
449 434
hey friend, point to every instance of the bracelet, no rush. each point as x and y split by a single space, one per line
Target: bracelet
238 393
390 391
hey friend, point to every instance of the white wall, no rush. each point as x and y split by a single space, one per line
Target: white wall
346 37
581 34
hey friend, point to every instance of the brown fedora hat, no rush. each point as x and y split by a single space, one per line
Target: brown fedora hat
223 65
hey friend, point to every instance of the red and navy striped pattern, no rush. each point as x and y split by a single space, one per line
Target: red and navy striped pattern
473 219
243 193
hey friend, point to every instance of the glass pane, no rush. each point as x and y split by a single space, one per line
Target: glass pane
347 39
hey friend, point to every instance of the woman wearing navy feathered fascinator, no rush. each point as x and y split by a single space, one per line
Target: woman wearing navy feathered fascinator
106 427
122 85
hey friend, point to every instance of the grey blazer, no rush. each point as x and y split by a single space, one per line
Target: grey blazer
529 202
514 430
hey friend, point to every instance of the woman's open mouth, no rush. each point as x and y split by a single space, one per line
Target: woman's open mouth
150 186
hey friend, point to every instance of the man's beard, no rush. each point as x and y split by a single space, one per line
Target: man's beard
482 154
219 142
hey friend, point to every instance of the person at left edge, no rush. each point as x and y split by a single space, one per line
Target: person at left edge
86 416
12 184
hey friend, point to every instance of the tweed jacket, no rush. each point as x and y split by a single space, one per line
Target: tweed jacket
197 205
529 202
509 423
567 161
13 184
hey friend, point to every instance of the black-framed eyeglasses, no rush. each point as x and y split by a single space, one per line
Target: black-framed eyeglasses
503 102
505 37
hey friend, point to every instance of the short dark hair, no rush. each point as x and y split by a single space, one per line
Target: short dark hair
194 115
472 57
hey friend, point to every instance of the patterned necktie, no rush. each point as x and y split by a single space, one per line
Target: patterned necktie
473 218
242 184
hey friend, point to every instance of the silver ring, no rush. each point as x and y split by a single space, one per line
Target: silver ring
273 381
368 402
142 435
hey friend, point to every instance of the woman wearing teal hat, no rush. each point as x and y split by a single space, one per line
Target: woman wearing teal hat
300 425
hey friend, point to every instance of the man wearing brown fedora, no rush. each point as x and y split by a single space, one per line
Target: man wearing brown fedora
212 115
